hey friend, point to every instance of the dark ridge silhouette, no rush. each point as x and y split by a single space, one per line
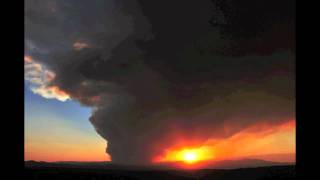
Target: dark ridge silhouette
105 170
223 164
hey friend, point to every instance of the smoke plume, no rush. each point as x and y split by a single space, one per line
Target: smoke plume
155 72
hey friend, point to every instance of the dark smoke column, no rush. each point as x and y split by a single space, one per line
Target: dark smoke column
158 71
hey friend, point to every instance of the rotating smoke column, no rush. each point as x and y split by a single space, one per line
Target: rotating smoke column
160 81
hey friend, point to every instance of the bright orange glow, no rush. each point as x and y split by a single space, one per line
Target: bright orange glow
262 141
187 155
190 156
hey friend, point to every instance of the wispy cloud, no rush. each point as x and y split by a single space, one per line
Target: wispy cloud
40 78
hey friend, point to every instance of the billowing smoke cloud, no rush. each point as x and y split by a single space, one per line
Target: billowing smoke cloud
158 71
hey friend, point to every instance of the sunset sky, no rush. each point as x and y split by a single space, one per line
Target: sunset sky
60 131
141 82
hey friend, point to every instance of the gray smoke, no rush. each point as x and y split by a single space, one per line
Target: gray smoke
156 71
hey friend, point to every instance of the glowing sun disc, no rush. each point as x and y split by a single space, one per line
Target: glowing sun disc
190 156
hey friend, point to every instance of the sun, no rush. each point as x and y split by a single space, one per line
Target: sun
190 156
187 155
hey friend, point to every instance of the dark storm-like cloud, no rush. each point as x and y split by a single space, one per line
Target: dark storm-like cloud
156 70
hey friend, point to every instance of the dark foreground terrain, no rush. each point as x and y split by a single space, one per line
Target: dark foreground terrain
66 173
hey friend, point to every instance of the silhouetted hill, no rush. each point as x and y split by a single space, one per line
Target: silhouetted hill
245 163
106 170
226 164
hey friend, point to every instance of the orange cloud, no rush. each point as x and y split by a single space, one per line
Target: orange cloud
40 78
28 59
79 45
51 92
260 140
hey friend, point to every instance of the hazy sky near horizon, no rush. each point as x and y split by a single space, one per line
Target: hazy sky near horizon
60 131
